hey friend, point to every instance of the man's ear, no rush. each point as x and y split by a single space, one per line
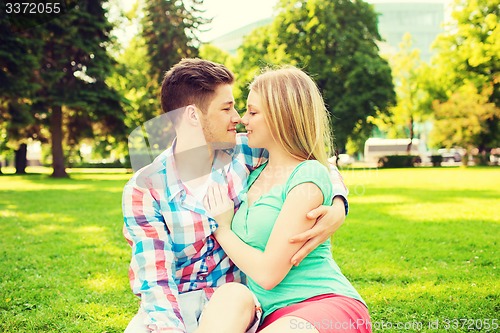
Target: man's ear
192 114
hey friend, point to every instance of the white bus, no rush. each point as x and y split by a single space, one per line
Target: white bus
375 148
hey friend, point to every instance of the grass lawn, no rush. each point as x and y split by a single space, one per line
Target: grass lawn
420 245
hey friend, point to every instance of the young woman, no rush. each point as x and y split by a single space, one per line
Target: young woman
285 115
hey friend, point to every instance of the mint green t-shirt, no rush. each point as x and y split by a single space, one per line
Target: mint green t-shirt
318 273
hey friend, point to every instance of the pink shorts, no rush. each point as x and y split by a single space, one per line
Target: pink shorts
327 313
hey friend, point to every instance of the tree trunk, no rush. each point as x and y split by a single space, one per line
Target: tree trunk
21 160
410 125
56 138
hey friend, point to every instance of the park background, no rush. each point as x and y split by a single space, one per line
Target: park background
420 243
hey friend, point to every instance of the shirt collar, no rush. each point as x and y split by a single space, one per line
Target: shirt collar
174 184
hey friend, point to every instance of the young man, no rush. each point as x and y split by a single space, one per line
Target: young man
176 261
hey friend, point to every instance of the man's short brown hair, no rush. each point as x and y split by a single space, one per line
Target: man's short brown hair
192 81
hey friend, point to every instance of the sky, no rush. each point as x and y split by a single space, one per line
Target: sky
229 15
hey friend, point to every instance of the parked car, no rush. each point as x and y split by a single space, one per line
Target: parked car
451 155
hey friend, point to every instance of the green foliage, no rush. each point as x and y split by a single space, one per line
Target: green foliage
410 98
468 53
19 58
252 56
334 41
418 244
133 81
170 30
464 119
469 50
213 53
76 66
67 64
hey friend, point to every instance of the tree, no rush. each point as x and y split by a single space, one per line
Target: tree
140 92
464 119
213 53
3 135
132 79
170 29
469 52
252 56
71 92
19 58
410 107
334 41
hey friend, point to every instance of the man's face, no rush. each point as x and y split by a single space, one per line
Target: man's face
220 119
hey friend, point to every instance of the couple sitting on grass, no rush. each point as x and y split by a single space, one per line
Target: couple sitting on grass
236 236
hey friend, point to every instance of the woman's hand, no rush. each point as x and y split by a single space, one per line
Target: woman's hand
219 205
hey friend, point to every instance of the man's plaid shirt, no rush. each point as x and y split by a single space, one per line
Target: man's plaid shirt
171 234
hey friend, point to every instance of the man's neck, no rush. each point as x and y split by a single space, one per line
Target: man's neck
193 162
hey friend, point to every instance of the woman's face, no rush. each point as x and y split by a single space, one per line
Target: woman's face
259 134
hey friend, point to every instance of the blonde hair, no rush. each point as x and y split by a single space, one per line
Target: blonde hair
295 113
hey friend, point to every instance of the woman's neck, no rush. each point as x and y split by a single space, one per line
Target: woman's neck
279 158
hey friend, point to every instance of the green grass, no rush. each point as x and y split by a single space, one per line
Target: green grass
63 259
420 245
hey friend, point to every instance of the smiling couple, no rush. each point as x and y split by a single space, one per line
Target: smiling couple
231 232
